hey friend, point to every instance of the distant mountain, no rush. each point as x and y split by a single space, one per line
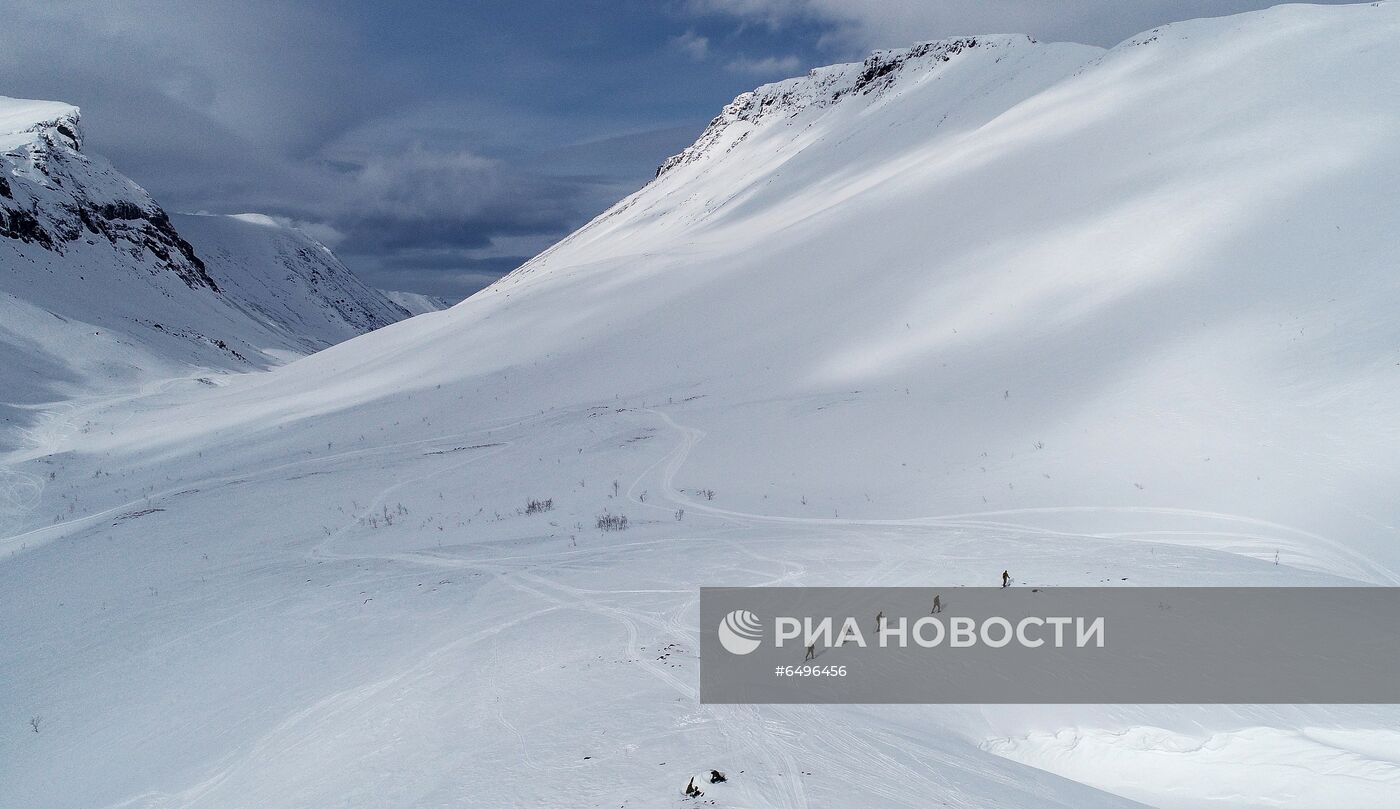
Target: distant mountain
286 280
418 304
100 289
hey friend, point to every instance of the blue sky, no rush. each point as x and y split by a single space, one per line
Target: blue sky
436 144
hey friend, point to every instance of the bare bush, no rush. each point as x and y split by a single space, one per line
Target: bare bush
539 506
34 722
612 522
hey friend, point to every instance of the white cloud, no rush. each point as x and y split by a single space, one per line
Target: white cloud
691 44
774 13
767 66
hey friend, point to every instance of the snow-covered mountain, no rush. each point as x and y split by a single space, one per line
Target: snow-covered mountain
1118 317
417 303
101 290
286 280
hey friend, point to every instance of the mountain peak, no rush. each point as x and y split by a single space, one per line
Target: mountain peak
22 118
824 86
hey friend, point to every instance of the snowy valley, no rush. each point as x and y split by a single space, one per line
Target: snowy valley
1116 317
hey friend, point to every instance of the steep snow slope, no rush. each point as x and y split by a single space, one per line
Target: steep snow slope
99 290
417 303
989 303
287 281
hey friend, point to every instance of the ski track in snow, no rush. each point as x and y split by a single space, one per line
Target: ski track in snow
762 738
772 735
1344 562
777 737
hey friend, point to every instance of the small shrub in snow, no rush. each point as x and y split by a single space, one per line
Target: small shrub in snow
612 522
539 506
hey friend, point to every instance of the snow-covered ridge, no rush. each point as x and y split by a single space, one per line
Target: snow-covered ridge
53 195
824 86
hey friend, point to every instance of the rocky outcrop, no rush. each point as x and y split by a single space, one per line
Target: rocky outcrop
54 195
826 86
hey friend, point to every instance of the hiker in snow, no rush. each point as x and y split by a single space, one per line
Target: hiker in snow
691 790
937 604
811 653
1005 579
879 619
717 777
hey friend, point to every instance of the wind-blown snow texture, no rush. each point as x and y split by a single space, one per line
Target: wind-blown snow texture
101 290
1120 318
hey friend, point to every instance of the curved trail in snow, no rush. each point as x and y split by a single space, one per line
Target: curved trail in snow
776 740
1344 562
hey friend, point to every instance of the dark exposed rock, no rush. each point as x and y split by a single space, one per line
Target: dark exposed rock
120 210
70 133
885 63
21 224
64 196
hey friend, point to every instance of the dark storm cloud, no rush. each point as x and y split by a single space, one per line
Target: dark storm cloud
436 144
